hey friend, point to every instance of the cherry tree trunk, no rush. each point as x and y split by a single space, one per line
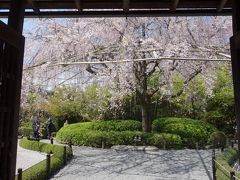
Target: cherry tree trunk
146 118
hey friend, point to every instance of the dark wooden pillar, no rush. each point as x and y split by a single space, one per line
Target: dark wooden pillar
15 21
11 62
235 53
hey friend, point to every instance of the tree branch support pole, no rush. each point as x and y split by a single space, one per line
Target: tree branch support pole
235 53
214 164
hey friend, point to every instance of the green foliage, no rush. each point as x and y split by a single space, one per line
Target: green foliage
31 107
62 105
165 140
117 125
95 102
113 133
38 171
220 105
128 109
191 131
25 131
192 101
43 130
217 139
154 80
74 106
113 125
226 159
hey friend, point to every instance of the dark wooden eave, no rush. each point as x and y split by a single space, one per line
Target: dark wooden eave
94 8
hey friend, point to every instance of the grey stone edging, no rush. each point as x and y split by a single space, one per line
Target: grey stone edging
134 148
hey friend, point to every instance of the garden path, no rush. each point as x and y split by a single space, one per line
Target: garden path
27 158
107 164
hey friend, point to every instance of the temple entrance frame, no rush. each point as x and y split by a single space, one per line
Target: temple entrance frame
13 58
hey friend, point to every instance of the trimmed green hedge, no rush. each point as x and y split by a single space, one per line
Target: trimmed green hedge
25 131
226 159
114 133
162 140
168 132
111 125
191 131
38 171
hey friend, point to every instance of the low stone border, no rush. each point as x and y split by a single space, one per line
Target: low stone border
134 148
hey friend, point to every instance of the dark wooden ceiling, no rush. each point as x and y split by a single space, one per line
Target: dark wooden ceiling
122 7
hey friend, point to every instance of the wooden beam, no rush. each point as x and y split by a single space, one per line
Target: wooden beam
118 4
34 7
118 13
79 5
221 5
236 38
126 5
174 5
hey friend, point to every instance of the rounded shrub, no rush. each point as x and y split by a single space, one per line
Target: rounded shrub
112 133
117 125
114 125
191 131
217 139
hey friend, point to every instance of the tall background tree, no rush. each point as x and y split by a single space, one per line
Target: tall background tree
148 56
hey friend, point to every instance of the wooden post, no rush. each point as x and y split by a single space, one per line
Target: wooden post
232 144
70 144
164 144
48 165
232 175
51 140
65 155
197 146
235 57
214 165
11 63
222 149
19 175
103 145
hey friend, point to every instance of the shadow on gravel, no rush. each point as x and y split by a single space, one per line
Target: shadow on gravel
180 164
204 165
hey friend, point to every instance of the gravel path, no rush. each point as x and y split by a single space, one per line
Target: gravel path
27 158
99 164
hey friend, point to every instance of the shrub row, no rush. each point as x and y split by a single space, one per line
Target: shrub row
114 133
111 125
38 171
25 131
226 159
191 131
167 132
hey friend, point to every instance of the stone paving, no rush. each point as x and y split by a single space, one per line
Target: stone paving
108 164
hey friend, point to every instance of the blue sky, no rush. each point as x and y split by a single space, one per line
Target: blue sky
28 23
